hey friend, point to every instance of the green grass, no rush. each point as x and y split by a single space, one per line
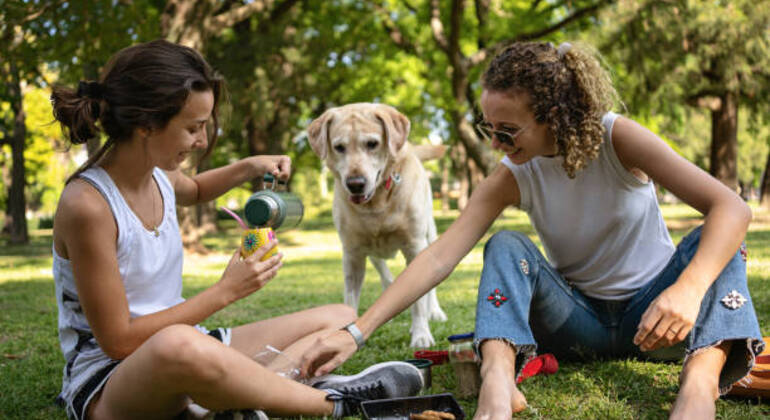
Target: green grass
31 362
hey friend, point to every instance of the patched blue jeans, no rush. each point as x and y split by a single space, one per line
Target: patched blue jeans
523 300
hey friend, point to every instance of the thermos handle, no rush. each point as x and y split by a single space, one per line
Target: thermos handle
269 178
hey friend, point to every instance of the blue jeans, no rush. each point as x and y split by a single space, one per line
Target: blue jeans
523 300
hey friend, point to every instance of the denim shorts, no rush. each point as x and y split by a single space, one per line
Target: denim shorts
77 406
536 308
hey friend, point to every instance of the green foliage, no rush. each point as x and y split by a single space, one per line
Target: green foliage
46 166
682 50
284 71
668 57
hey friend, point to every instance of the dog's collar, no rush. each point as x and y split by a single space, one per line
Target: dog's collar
393 180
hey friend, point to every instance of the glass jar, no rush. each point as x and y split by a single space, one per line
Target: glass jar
466 365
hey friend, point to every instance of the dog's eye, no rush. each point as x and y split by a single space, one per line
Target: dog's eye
371 145
339 148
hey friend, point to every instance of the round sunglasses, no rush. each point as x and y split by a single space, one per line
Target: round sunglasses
505 137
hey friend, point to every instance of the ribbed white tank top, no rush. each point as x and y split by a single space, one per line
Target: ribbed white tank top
603 230
150 267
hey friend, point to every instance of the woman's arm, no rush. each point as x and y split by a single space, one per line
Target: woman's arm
427 270
86 234
726 221
438 260
210 184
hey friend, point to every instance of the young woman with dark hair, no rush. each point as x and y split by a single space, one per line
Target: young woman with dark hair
133 346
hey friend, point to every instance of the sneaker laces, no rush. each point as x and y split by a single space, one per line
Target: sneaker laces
352 397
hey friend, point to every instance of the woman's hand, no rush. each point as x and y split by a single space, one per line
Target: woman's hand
243 277
327 353
277 165
669 318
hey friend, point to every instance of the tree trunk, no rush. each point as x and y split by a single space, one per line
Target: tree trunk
183 22
257 146
444 184
474 147
17 205
206 213
764 190
460 168
91 72
724 141
192 23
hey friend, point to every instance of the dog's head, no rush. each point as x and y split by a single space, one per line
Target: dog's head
357 142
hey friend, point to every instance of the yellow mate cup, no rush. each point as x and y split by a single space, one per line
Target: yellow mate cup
252 239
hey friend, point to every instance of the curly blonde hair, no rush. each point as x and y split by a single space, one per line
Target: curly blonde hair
570 91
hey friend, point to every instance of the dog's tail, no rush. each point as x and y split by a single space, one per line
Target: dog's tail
429 152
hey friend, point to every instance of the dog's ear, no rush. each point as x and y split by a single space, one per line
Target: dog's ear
318 133
396 127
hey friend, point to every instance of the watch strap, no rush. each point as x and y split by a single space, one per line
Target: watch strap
358 337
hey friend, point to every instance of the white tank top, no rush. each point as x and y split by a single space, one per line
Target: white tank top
150 267
603 230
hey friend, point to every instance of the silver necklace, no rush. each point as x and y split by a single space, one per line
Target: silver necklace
154 227
149 226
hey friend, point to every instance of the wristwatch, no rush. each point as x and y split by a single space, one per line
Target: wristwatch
356 333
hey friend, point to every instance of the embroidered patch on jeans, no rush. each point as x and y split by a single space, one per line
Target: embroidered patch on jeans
733 300
744 251
524 264
497 298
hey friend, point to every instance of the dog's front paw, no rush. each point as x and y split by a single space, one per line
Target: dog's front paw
422 339
436 314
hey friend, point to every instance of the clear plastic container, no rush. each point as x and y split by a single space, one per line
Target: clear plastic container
277 361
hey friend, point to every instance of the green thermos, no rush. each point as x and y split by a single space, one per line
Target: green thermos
274 207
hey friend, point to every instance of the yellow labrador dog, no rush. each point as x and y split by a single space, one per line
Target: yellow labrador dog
382 197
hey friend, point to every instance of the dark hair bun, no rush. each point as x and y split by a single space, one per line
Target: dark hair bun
78 112
91 90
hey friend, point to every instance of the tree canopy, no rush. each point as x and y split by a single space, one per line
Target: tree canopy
694 72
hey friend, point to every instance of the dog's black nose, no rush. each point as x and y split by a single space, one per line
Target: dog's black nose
356 184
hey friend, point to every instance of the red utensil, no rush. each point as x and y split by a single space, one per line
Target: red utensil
438 357
544 364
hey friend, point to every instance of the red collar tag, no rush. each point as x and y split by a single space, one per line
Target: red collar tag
392 179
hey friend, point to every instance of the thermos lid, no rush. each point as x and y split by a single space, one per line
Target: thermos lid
258 212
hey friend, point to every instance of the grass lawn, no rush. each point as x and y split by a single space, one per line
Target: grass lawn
31 362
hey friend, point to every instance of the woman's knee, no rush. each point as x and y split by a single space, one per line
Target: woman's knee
184 352
733 275
509 241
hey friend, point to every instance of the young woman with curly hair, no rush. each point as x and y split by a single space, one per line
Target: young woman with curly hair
613 283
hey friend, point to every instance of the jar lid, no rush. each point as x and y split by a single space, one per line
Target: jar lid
460 337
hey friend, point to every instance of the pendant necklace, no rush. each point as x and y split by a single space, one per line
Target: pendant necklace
154 227
149 226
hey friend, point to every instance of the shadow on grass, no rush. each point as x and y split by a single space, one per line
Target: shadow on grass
39 245
604 389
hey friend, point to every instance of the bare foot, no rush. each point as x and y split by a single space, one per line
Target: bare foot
499 397
696 400
699 384
694 403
